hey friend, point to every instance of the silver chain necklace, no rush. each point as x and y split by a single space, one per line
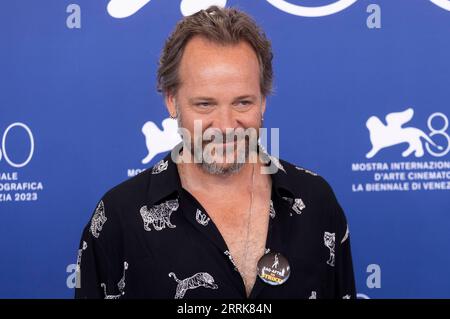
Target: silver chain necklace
248 225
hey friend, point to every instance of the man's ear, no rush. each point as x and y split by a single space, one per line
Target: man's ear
170 100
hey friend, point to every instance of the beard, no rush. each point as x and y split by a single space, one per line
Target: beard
216 169
218 162
218 158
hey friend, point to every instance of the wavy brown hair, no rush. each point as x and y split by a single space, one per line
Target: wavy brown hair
224 26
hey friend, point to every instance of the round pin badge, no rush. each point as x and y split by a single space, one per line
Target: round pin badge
273 269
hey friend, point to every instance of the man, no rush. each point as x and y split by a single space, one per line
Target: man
198 226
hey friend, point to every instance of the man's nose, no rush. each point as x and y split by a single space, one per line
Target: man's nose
225 119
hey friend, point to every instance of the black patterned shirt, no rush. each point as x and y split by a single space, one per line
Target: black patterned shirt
150 238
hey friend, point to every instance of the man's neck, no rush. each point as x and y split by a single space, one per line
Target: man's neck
195 178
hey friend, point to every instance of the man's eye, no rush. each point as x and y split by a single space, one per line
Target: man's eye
203 104
245 103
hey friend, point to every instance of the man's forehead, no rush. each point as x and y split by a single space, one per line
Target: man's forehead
202 49
212 70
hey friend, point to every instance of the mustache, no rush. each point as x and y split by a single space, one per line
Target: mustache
219 137
224 139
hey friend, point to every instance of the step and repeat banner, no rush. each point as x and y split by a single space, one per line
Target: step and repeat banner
362 97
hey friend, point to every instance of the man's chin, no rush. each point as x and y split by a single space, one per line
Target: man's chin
223 169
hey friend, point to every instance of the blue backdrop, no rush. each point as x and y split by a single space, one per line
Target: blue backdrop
77 85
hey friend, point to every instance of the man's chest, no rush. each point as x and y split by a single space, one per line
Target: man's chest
192 249
244 229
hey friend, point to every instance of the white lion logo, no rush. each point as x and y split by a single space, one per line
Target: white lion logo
382 136
158 141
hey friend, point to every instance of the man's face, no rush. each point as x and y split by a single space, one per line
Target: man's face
220 85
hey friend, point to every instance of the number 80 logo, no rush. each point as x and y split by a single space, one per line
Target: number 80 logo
3 149
441 131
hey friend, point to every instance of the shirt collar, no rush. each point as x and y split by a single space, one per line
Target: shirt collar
164 181
281 180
